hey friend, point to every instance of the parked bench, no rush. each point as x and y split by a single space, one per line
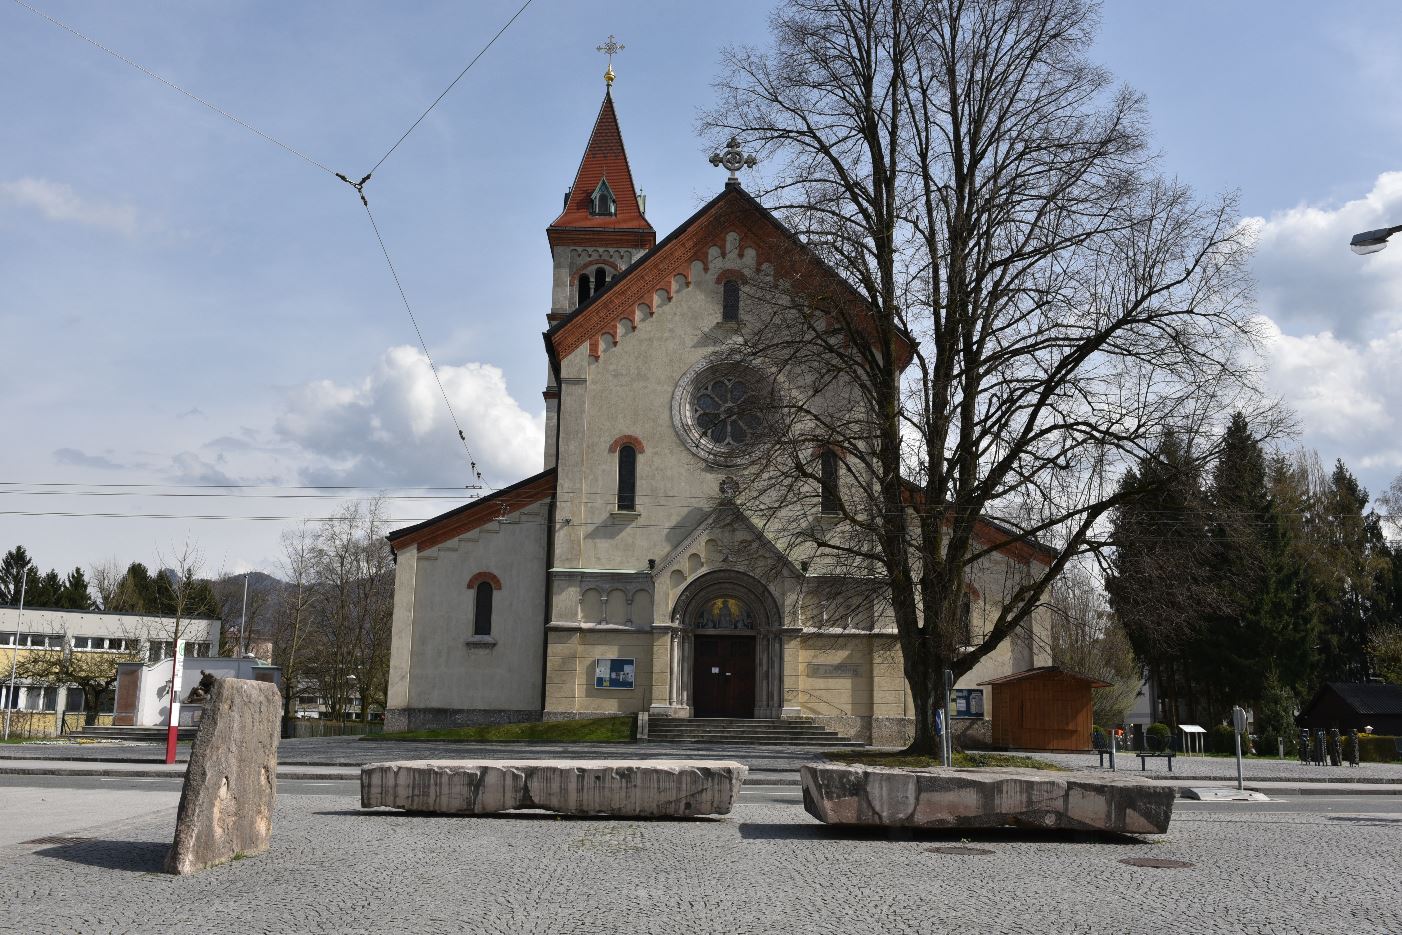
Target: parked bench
1144 756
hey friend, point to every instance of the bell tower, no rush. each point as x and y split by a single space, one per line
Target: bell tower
600 232
601 229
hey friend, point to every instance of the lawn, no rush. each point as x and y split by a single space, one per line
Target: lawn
587 730
911 761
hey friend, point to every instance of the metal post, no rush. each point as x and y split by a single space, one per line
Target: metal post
948 751
173 726
243 617
1114 742
14 652
1238 725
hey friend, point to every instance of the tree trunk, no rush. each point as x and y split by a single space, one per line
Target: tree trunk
925 676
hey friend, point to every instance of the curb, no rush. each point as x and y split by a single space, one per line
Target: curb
783 779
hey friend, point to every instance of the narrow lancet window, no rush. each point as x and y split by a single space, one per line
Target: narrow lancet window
831 497
730 301
627 479
482 613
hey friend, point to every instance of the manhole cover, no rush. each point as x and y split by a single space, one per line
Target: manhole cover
959 851
1158 862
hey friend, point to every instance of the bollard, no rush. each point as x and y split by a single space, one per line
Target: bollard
1114 742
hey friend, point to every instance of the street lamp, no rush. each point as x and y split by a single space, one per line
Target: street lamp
1372 241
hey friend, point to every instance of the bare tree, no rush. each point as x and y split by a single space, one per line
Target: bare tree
93 671
1025 306
292 611
1086 638
106 581
354 579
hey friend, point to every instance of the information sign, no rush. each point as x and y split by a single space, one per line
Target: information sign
614 673
968 702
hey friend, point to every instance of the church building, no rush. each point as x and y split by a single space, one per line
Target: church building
621 578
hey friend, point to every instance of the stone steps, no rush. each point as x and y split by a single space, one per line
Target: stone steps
796 732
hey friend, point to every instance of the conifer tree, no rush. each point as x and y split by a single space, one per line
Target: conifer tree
12 568
1156 580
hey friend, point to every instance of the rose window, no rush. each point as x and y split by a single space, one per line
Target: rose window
721 414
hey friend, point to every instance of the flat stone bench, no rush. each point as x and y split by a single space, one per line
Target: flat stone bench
620 788
984 798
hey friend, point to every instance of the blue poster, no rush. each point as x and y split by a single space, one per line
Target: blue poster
614 673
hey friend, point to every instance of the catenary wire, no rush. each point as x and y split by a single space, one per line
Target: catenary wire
450 86
175 87
422 343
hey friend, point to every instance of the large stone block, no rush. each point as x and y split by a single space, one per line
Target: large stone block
226 807
984 798
621 788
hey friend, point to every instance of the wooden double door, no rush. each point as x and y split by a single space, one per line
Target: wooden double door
723 679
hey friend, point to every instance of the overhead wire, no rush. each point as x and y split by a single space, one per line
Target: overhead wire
175 87
358 186
451 85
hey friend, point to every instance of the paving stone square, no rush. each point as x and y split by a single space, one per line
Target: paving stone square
768 868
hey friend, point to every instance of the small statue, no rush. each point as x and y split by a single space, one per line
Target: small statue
1305 747
1353 750
200 692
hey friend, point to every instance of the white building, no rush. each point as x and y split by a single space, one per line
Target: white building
150 637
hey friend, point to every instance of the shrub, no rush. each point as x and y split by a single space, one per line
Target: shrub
1268 744
1221 739
1376 748
1158 737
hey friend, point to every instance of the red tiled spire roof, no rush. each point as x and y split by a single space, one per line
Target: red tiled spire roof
604 159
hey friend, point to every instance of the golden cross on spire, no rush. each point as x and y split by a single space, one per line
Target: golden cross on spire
610 48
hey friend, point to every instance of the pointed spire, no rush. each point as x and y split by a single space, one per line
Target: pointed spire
588 206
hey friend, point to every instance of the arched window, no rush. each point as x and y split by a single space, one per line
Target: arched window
600 278
601 203
831 492
730 301
627 479
482 612
583 288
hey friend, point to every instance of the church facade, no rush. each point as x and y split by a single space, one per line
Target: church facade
622 578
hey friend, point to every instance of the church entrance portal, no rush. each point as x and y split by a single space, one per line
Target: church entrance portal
723 678
727 652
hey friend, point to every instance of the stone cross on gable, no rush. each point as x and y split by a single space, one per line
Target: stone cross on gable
734 159
610 48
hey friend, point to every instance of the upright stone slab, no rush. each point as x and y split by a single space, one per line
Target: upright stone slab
226 808
620 788
984 798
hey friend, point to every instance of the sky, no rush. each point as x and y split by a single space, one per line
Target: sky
185 303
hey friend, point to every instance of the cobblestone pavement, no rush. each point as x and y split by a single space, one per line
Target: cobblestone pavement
1213 767
767 868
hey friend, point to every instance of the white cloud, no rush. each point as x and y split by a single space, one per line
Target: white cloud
58 201
1331 383
392 428
1334 326
1308 279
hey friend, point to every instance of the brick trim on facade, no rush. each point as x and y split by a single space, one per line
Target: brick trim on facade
482 576
474 515
622 440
